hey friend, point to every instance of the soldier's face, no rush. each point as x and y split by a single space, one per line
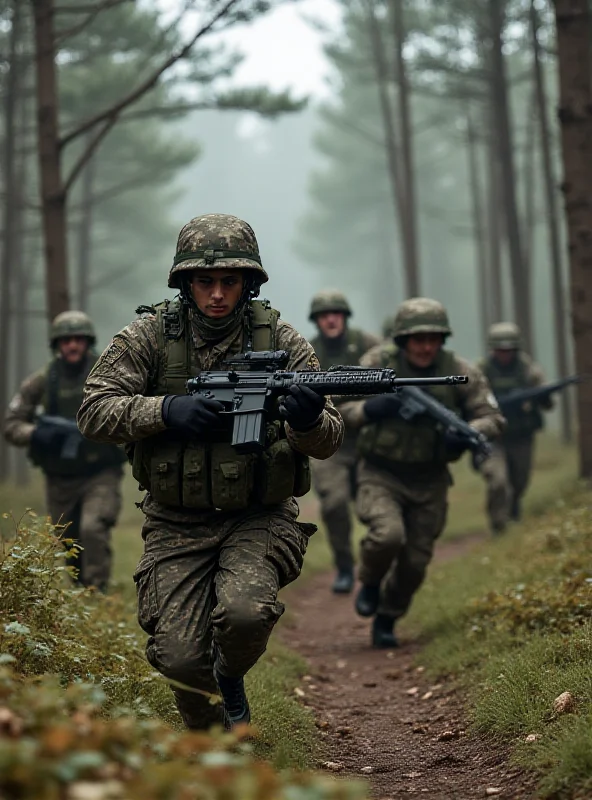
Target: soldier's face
216 292
504 357
422 349
73 348
331 323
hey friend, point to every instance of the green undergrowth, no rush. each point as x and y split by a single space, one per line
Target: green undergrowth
512 621
79 703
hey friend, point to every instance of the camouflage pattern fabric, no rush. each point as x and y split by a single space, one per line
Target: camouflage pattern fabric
421 315
91 501
334 482
507 475
210 238
215 580
405 514
72 323
334 479
204 576
403 520
92 505
116 409
495 473
329 300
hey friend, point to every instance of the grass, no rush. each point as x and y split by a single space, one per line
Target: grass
287 733
512 621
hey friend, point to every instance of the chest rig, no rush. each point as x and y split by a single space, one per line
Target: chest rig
394 442
62 397
206 475
522 421
352 349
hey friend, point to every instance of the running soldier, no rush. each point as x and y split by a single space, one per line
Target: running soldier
334 479
221 535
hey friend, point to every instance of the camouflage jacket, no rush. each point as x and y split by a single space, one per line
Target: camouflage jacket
476 398
19 422
117 406
527 372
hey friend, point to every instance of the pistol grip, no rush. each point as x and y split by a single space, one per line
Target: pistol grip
248 432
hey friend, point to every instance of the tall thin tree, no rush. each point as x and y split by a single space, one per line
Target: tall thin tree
575 115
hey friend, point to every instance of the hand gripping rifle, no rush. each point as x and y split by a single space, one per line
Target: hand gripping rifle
513 401
414 402
251 385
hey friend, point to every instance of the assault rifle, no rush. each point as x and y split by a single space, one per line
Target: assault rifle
512 402
413 402
249 389
70 437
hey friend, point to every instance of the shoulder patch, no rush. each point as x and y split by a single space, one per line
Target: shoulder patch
313 363
113 352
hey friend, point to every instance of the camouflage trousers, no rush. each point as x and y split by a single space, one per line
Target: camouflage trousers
334 482
507 474
404 520
91 505
207 586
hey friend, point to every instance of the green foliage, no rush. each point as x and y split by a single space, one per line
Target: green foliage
81 708
54 740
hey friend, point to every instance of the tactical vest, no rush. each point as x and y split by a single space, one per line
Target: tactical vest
353 347
396 443
522 421
206 475
62 397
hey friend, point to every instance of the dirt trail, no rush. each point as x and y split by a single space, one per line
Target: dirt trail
380 716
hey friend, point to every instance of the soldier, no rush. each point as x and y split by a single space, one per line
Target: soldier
220 532
334 479
403 477
82 479
507 471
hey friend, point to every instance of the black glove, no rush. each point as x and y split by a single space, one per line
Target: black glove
302 407
191 413
47 438
456 444
381 407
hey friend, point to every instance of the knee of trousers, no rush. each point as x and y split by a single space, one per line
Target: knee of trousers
245 619
384 537
183 663
334 502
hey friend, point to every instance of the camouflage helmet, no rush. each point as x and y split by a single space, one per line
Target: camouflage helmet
503 336
388 327
421 315
216 241
72 323
329 300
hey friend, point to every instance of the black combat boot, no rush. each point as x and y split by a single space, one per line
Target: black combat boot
344 581
236 705
515 510
383 634
367 600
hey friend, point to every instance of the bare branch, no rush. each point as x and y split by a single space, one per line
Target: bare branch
87 153
93 11
115 110
88 8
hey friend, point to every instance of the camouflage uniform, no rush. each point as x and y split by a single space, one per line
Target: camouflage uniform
403 478
209 577
334 479
83 491
507 471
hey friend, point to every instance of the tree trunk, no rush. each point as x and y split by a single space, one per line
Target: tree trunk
85 236
10 244
495 259
529 180
550 184
53 195
406 129
478 231
392 149
575 114
519 276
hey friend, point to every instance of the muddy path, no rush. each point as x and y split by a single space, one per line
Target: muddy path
379 716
